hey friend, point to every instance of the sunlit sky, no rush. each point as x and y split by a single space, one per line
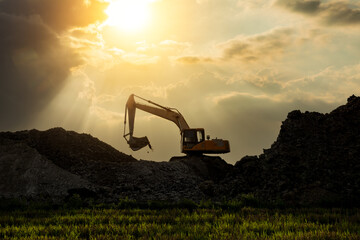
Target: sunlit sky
233 67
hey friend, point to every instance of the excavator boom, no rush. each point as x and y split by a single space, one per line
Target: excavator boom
171 114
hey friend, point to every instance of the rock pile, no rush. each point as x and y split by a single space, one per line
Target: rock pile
315 160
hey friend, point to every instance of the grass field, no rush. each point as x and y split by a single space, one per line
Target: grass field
181 223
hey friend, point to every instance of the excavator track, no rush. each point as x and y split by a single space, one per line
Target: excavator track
212 168
193 157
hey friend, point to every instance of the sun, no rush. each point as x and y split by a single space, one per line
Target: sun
128 15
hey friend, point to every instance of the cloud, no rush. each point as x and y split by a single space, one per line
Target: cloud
253 4
58 14
174 44
35 62
110 117
256 48
83 38
201 1
266 80
98 105
329 13
303 6
194 59
33 67
164 48
328 85
140 59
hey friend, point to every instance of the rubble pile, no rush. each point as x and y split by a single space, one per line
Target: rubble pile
315 160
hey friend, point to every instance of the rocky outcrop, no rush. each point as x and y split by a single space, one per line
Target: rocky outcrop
315 160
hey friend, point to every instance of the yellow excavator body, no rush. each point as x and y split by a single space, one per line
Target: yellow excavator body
193 142
209 146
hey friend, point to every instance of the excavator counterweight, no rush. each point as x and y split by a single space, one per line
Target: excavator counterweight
192 139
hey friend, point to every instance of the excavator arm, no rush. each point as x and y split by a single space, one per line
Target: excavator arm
170 114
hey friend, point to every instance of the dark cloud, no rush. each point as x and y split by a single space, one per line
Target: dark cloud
330 13
58 14
34 62
307 7
341 13
259 47
33 68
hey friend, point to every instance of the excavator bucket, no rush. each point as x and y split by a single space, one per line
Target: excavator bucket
138 143
134 142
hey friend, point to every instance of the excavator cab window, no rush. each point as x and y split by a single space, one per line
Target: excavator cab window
200 135
191 137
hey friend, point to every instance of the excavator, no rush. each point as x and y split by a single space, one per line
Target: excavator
192 139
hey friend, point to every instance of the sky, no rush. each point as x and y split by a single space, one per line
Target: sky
232 67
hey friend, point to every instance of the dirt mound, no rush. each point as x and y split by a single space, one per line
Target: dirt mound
68 149
35 164
315 160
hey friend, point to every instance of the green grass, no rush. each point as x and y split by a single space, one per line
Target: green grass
181 223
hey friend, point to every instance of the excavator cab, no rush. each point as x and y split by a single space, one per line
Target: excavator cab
193 142
191 137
